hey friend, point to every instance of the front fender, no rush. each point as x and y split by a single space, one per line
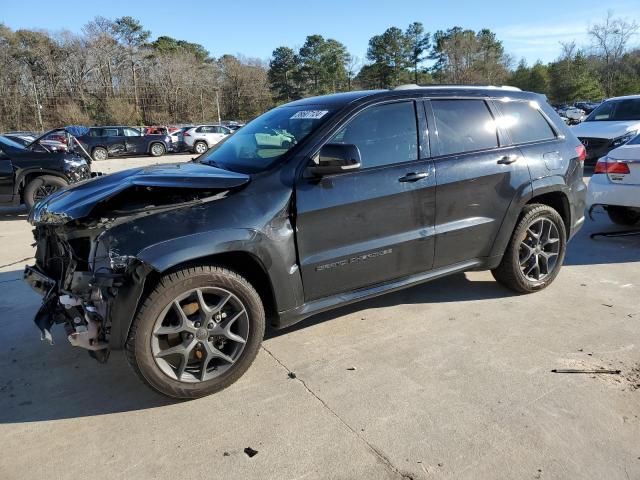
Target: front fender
274 249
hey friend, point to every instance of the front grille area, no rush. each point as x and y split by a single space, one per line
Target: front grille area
596 147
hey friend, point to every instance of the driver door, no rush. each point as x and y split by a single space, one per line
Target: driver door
361 228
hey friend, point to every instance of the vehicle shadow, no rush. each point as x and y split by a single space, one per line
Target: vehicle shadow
14 213
456 288
41 382
584 250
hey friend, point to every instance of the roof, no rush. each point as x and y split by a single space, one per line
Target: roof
624 97
338 100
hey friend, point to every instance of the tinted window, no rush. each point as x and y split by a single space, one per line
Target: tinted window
7 142
131 132
109 132
616 110
525 122
464 126
384 134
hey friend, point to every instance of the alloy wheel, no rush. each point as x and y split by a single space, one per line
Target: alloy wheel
200 334
201 148
539 250
157 149
44 191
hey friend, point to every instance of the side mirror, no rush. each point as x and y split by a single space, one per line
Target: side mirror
336 158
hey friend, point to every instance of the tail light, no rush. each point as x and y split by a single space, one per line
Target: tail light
582 153
604 165
186 134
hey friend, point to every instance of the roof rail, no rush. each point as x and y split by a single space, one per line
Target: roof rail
413 86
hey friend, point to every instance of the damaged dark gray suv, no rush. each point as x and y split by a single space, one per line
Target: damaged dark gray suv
315 204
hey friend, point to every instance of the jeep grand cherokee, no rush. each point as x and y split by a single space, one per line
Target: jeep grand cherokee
376 191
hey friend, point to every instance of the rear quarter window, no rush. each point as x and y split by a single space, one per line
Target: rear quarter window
525 122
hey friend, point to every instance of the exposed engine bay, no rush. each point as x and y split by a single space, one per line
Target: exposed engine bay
81 269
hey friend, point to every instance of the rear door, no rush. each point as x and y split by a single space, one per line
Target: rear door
478 176
135 142
114 140
361 228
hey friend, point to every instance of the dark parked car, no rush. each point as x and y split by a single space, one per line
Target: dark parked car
105 142
27 176
377 191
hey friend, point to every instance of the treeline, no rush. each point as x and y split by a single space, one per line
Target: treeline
609 67
114 72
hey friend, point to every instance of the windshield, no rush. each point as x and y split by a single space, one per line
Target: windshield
616 110
261 143
7 142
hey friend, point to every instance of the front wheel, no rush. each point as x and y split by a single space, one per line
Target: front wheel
535 252
197 332
41 187
623 215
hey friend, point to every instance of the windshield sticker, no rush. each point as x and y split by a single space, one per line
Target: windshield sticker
310 114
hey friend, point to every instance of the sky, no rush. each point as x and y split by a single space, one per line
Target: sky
529 30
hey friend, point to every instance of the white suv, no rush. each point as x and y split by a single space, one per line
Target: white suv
201 138
615 184
612 124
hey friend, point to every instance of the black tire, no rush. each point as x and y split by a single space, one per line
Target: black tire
623 215
99 154
139 343
40 187
509 273
157 149
200 145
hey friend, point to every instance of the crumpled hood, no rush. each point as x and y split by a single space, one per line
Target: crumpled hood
79 200
608 130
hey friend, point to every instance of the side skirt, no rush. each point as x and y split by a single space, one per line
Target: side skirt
289 317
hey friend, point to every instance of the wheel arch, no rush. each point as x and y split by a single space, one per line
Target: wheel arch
559 201
243 263
25 176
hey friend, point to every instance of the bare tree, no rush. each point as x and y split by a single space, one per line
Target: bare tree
610 40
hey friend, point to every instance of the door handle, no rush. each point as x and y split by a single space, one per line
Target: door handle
508 159
413 177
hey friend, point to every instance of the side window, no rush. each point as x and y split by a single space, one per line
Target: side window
464 126
384 134
525 122
95 132
131 132
109 132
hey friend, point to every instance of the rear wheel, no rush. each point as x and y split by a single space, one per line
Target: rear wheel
623 215
535 252
200 147
157 150
197 332
41 187
100 153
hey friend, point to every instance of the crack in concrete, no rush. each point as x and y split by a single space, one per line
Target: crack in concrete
16 262
385 460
